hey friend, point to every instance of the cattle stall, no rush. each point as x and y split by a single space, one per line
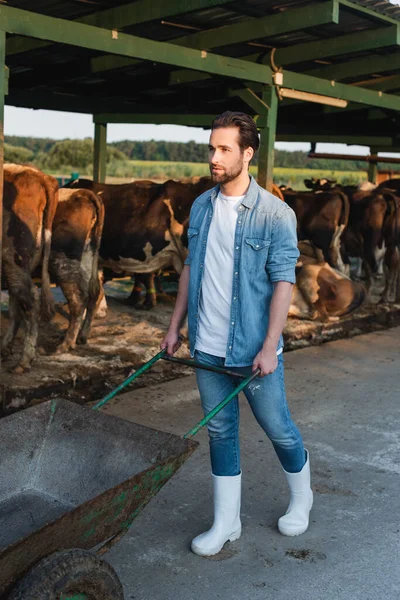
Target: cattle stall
321 71
127 337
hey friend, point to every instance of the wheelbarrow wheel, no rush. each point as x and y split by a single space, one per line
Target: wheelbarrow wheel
69 573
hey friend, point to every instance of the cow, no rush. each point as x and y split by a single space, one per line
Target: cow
77 229
322 292
145 225
322 184
391 260
372 232
391 184
322 217
30 201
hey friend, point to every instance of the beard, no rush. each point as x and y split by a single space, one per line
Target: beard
227 175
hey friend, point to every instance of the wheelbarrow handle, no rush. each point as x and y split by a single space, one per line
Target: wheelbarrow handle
129 380
221 405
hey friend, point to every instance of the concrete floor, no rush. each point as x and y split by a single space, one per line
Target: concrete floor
345 398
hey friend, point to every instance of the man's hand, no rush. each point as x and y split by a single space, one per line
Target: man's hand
172 342
266 360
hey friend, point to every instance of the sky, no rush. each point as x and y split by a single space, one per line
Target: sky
61 125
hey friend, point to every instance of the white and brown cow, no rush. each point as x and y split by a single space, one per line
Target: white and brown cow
322 217
29 201
322 292
145 226
77 230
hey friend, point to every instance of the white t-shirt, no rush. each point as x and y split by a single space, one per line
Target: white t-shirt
216 289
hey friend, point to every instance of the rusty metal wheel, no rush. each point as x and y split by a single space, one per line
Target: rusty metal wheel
69 575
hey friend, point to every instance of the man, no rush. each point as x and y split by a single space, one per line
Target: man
236 287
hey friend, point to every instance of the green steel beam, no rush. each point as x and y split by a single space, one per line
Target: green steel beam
372 167
343 44
6 79
329 138
155 119
251 99
22 22
195 120
252 29
187 76
100 152
306 83
124 16
359 67
368 12
353 68
383 84
267 139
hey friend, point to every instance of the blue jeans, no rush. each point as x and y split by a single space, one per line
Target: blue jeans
267 400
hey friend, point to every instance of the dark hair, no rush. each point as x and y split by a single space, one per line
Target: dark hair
248 135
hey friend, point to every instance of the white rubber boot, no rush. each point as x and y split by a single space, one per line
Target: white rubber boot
295 521
227 525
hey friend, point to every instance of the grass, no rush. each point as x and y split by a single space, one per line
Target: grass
125 171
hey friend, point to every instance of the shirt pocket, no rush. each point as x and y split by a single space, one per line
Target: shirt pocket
255 254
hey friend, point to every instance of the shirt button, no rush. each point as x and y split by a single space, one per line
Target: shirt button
201 266
236 273
257 246
239 222
233 322
230 347
237 247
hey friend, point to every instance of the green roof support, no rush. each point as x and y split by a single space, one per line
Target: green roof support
359 67
330 138
372 167
124 16
155 119
340 45
256 103
100 152
314 85
267 139
6 78
368 12
251 29
382 84
14 20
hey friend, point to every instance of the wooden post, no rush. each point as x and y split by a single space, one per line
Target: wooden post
372 168
2 95
267 140
100 152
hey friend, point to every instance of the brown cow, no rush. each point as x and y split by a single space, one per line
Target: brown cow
322 218
30 202
323 292
372 234
145 225
77 229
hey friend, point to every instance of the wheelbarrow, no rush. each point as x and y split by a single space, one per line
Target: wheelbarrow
73 479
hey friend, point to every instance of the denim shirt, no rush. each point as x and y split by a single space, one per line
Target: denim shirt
265 252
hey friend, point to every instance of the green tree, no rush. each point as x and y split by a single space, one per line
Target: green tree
16 154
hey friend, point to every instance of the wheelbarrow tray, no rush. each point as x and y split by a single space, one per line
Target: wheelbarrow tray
71 477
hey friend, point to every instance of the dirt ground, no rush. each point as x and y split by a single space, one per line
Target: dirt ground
128 337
